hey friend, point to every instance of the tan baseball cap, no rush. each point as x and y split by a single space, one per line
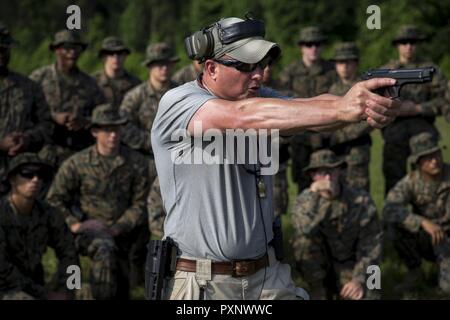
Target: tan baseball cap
247 50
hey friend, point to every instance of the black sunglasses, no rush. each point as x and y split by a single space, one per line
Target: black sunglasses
245 67
31 173
68 46
312 44
411 42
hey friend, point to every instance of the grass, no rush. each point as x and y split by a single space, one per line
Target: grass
392 269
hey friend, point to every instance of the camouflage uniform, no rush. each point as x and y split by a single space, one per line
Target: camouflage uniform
24 240
413 199
22 108
77 93
112 190
303 82
335 240
430 96
156 212
114 89
185 74
140 105
351 143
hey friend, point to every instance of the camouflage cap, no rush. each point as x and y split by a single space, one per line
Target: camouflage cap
161 52
248 50
26 158
113 44
421 145
106 115
6 40
311 34
408 32
323 159
346 51
67 36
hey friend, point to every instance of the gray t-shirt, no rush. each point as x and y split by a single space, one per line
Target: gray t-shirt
213 211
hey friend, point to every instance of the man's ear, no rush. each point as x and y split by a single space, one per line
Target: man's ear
94 132
210 69
12 181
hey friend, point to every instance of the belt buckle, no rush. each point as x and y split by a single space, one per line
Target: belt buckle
242 268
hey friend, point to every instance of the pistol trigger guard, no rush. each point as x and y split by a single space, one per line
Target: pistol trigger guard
396 92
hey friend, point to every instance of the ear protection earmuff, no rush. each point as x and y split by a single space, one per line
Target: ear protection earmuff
200 45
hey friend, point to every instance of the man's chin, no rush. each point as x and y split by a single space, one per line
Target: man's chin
252 93
113 146
33 192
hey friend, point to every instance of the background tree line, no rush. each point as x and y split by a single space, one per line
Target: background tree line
140 22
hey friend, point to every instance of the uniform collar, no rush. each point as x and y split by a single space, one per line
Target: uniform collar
95 157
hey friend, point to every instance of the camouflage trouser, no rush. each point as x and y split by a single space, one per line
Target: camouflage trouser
56 154
280 191
396 148
413 247
357 172
102 251
16 295
324 275
138 253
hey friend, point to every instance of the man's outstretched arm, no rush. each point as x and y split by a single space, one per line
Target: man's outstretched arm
291 116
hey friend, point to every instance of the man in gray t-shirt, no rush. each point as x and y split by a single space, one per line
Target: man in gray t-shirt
219 199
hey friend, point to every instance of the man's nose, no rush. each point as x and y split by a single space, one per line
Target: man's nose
258 73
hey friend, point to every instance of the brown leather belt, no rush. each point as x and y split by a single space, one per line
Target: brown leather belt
238 268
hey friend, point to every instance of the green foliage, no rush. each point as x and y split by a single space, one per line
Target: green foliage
140 22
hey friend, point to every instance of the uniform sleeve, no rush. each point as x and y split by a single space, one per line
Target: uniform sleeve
434 105
308 214
350 132
37 75
396 208
10 276
136 213
62 192
369 243
156 213
42 125
98 96
61 240
133 136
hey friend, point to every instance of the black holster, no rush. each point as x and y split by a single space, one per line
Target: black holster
159 267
